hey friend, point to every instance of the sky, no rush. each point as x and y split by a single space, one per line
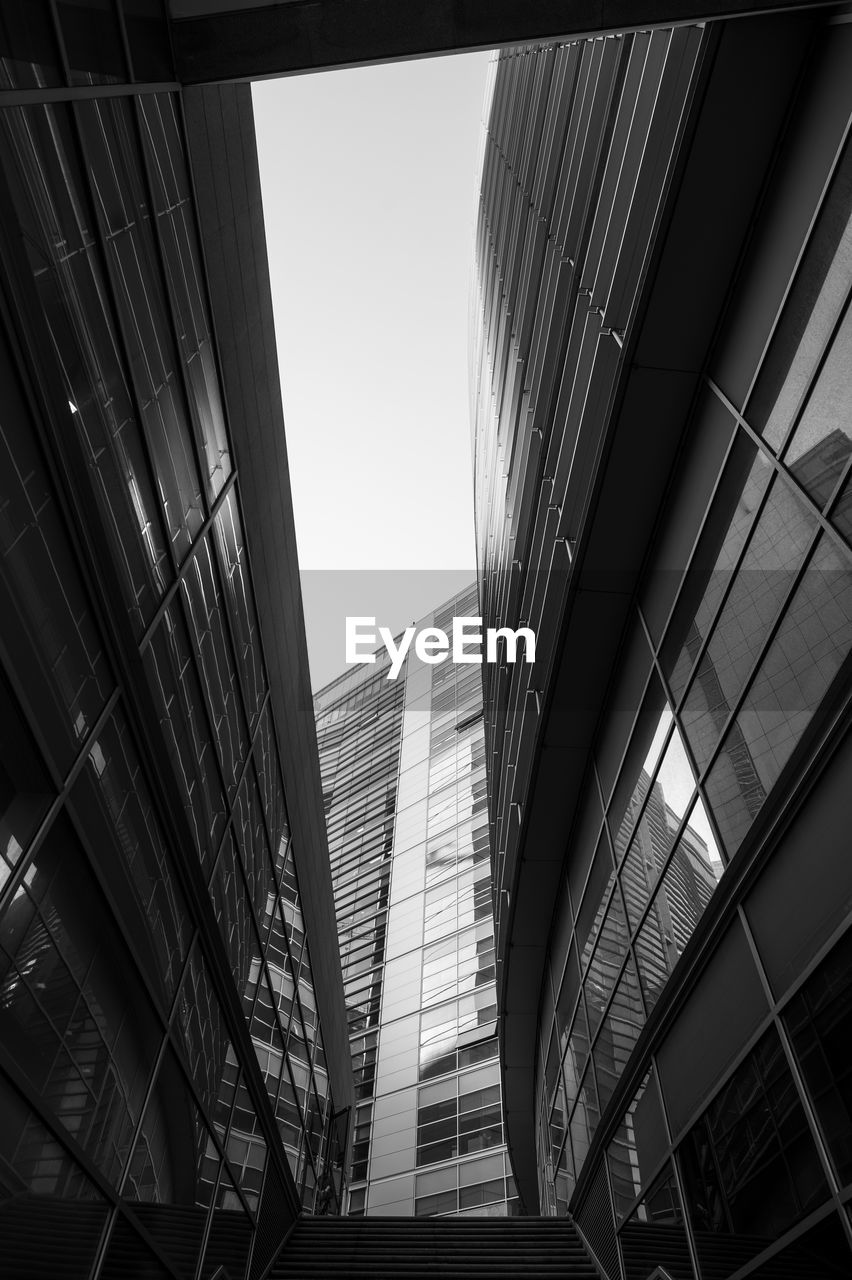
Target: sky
370 190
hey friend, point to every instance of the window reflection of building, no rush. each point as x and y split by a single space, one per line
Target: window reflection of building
163 1081
404 776
359 739
689 1084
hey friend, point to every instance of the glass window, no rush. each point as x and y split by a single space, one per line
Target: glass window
45 1167
708 439
246 1147
775 551
810 314
115 166
745 478
49 631
147 35
567 995
288 1116
564 1181
812 641
112 794
92 41
203 1041
678 904
233 912
177 695
577 1053
240 597
269 780
176 226
440 1202
653 722
248 823
77 1019
175 1159
29 57
558 1121
618 1034
606 961
638 1146
81 359
820 446
819 1018
656 1229
25 793
750 1167
668 800
230 1232
204 603
584 1120
595 899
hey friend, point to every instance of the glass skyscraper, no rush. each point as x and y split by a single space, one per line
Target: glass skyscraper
403 767
661 352
169 1095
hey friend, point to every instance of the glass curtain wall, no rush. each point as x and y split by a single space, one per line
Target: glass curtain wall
740 659
428 1128
160 1045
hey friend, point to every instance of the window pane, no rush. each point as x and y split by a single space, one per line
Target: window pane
776 550
638 1145
177 694
233 912
115 165
810 313
49 631
820 445
241 605
606 961
28 53
813 640
25 793
176 226
656 1229
82 358
204 601
78 1021
113 796
618 1034
819 1018
204 1042
678 904
92 41
148 37
750 1167
744 481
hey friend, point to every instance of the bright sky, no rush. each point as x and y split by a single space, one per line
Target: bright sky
369 189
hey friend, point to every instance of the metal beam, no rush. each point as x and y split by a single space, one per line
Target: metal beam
287 38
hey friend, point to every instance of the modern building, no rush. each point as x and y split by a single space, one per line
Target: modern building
174 1066
403 769
662 353
662 482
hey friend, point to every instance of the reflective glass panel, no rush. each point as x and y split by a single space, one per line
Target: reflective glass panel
810 313
750 1167
776 550
77 1019
819 1019
812 641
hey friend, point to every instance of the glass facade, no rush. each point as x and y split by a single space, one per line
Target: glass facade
403 770
690 1090
162 1072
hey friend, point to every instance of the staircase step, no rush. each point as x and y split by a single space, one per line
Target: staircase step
434 1249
